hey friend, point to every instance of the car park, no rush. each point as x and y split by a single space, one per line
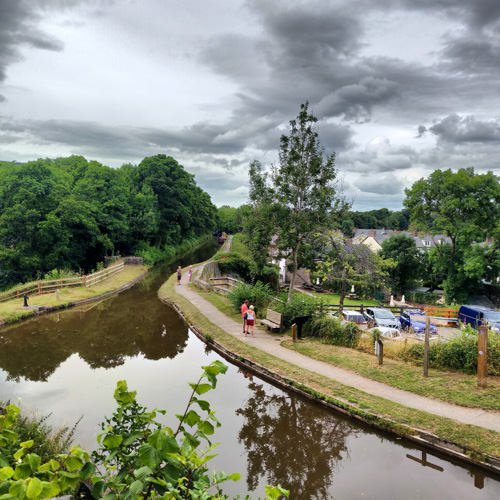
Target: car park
378 316
478 315
415 321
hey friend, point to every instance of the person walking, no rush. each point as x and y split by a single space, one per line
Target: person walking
179 275
244 309
250 320
190 273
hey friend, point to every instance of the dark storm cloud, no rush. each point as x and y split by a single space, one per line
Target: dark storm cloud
356 101
466 129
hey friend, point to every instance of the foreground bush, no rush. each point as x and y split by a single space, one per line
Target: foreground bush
332 331
140 458
260 295
459 353
300 305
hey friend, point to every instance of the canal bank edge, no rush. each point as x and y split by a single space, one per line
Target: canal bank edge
418 436
50 309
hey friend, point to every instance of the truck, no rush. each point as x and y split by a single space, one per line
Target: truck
478 315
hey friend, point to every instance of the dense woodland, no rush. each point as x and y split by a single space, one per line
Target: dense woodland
69 213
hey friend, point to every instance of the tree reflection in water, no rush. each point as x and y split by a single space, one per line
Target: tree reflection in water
290 442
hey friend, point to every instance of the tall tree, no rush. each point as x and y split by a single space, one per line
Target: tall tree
403 251
466 207
302 189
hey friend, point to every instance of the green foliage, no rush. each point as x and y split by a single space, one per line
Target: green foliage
381 219
58 274
423 298
259 295
402 250
332 331
69 213
459 353
234 263
139 458
300 305
23 474
301 197
464 206
375 335
230 219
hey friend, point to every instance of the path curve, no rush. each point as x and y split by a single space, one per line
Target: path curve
488 419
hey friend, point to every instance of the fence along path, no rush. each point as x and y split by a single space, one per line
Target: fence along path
48 286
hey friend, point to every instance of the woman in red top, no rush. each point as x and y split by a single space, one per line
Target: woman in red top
244 309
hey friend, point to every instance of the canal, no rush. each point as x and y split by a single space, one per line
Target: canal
67 364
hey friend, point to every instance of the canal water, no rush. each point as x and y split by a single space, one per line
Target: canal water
67 364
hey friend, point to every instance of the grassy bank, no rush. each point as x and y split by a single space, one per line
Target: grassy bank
13 310
388 415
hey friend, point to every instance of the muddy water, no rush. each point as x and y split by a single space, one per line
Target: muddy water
68 363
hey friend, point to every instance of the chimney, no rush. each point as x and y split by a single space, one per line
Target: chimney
372 232
415 233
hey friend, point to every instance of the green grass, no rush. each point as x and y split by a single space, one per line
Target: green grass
333 298
381 412
12 310
452 387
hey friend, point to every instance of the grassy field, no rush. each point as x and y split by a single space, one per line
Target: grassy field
477 440
333 298
13 310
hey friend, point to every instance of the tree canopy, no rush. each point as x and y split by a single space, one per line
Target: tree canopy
69 213
465 206
300 190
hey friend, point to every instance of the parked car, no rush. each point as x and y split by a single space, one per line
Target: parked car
378 316
351 317
477 315
415 320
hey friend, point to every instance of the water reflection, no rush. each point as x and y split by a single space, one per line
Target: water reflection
290 444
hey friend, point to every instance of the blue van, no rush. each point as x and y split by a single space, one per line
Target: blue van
477 315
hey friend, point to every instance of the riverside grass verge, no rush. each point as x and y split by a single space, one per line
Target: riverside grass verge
479 443
13 311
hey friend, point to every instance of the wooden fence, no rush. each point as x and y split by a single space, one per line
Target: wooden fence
48 286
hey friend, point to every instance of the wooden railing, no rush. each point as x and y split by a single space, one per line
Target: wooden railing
440 312
48 286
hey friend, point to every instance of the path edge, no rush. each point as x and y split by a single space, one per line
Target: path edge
418 436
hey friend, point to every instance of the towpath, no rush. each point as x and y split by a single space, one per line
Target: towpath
487 419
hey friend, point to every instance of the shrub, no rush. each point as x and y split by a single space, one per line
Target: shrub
423 298
300 305
234 263
260 295
459 353
332 331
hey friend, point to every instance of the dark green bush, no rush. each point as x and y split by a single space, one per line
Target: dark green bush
423 298
332 331
300 305
258 295
234 263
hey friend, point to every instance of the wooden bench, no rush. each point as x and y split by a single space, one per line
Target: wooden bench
273 321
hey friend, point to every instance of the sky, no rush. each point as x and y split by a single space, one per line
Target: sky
400 87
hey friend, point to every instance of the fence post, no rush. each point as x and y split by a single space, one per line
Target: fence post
39 287
426 346
84 280
380 351
482 359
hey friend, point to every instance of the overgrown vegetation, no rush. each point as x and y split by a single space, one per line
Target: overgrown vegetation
332 331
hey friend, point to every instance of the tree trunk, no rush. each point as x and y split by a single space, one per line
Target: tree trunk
345 274
294 273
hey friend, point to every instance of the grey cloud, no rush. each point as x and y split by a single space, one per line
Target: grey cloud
382 185
464 129
421 130
357 100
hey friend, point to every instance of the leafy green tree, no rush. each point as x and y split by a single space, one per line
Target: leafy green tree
349 264
465 206
402 250
302 190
